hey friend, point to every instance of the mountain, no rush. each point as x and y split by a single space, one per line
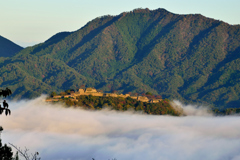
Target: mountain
187 57
8 48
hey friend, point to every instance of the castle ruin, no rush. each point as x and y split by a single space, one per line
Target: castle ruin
94 92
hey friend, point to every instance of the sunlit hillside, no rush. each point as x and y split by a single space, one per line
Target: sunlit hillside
188 57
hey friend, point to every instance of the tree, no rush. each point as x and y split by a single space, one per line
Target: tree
148 93
24 153
53 94
5 93
135 94
5 151
82 86
63 93
159 97
114 91
7 154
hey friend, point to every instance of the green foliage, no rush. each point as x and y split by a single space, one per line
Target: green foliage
122 104
228 111
149 93
53 94
187 57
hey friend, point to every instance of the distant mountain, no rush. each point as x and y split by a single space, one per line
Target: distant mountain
187 57
8 48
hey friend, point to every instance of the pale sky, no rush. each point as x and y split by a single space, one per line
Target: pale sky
29 22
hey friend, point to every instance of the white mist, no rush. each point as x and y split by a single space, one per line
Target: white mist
59 133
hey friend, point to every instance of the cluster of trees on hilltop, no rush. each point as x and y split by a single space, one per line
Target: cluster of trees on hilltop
123 104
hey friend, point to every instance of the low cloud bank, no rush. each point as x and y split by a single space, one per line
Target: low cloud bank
191 110
59 133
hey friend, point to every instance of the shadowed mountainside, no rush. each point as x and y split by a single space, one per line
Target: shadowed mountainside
8 48
186 57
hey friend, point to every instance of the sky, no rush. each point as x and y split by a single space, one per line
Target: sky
77 134
28 22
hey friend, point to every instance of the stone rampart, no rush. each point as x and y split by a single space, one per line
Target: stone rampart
90 90
94 92
142 99
57 97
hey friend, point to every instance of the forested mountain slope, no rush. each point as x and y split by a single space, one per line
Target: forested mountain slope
8 48
186 57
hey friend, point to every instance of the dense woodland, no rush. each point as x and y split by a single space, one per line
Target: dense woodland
186 57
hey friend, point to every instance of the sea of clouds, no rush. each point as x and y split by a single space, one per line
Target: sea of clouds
60 133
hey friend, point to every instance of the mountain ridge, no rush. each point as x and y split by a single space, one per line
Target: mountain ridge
8 48
189 57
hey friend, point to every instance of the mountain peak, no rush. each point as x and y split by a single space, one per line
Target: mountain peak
147 10
8 48
187 57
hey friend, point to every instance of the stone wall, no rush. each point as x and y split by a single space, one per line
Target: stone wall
90 90
155 100
57 97
81 91
142 99
94 92
99 94
124 95
110 95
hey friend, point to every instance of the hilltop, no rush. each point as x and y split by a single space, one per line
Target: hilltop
90 98
187 57
93 92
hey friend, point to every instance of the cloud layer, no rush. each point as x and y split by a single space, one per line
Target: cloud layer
60 133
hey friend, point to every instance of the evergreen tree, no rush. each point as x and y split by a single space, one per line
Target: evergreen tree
5 151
